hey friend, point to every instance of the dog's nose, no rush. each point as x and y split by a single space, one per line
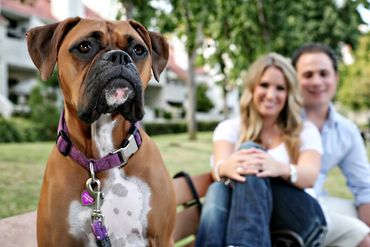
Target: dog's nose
117 57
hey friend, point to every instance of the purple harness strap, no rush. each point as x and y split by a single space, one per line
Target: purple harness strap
115 159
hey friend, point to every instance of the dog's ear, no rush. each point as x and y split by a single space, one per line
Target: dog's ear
158 47
160 53
44 42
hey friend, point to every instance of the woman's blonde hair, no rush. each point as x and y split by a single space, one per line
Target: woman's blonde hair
289 120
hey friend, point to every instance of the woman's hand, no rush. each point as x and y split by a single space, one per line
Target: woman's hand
252 162
268 167
238 164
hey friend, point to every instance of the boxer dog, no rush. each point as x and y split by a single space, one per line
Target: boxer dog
105 179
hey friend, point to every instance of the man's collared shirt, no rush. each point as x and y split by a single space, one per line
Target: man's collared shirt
344 146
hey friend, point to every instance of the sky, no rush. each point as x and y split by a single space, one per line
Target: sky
106 8
365 14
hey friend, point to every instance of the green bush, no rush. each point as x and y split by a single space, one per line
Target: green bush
165 128
167 115
204 104
24 130
176 127
19 130
29 130
160 113
43 120
157 112
207 126
8 132
44 112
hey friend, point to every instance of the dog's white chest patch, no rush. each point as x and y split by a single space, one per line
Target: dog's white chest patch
102 134
125 207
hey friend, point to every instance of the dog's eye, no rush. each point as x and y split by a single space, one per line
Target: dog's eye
139 50
84 46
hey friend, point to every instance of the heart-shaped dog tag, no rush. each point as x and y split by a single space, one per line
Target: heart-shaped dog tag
86 198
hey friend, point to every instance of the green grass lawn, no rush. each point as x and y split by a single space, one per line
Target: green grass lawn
22 166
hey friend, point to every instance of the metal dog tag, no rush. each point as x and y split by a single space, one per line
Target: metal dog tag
87 199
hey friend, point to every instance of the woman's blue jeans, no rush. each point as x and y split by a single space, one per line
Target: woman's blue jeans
245 214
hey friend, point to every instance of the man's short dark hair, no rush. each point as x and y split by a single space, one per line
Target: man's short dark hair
315 48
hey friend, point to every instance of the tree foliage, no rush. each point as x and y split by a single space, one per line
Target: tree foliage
188 20
354 90
139 10
244 30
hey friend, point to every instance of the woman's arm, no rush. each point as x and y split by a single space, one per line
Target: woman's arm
222 151
309 160
307 167
233 164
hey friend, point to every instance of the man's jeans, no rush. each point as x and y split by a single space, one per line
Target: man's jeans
244 214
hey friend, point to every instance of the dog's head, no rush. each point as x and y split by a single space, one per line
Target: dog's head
103 66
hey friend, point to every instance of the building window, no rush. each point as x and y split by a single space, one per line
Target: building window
16 28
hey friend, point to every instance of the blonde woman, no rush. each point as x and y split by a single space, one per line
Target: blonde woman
270 155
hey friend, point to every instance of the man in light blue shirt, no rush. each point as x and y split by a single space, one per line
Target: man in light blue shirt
343 146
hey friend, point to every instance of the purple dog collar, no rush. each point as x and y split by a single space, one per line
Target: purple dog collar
115 159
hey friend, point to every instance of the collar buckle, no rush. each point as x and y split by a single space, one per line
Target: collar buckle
127 151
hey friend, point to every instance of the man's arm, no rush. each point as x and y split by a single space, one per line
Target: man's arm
356 169
364 213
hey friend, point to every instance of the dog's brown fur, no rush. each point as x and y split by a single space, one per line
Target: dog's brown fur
64 179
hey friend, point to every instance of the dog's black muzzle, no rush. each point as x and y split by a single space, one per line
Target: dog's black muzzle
113 73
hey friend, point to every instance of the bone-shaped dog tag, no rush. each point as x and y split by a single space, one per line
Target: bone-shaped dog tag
87 199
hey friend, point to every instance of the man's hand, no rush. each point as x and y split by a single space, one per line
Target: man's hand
364 213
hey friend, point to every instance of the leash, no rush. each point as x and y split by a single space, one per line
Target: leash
97 217
93 194
193 190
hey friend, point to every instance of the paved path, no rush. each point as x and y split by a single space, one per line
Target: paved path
19 230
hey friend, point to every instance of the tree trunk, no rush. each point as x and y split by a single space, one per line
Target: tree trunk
225 83
224 96
191 110
129 10
264 25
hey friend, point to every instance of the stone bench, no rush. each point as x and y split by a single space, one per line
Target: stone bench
19 230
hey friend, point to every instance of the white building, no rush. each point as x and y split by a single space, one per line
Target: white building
18 74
